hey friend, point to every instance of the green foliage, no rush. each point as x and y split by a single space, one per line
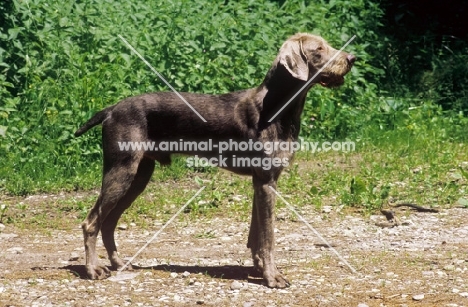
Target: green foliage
3 209
338 113
61 61
426 51
446 82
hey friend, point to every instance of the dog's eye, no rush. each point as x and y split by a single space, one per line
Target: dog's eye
320 48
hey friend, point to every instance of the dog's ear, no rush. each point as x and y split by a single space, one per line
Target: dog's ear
292 58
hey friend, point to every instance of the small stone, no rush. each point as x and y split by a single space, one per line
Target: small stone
2 226
235 285
122 227
428 274
8 236
441 274
378 296
418 297
327 209
200 302
174 274
185 274
248 304
362 305
282 216
163 298
464 294
15 250
449 267
74 256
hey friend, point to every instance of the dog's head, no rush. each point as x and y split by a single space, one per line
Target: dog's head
303 55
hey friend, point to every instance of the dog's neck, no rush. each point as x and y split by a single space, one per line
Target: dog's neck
280 86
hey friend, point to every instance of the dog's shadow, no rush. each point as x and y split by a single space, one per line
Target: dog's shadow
228 272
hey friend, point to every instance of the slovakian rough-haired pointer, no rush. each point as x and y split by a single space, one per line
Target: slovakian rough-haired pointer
242 115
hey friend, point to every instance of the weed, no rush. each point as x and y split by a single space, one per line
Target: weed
3 209
207 234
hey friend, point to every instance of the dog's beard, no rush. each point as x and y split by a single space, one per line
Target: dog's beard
331 80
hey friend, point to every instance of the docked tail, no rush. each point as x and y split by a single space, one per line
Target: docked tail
97 119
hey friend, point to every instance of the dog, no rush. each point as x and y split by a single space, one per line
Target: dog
238 116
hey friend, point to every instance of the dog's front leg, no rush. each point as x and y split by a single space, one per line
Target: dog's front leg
261 236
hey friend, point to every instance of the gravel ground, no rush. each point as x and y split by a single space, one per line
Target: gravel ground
206 263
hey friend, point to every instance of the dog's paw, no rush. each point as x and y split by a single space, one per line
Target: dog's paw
276 281
117 264
117 267
97 271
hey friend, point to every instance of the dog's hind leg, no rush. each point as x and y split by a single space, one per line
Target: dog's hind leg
252 242
119 172
142 177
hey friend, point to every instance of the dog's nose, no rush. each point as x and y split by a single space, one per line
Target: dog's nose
351 58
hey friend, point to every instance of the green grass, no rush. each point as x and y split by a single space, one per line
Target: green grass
426 168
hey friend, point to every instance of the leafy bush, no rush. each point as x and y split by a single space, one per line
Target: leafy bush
446 82
426 49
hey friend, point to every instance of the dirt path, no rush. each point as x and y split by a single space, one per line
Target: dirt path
205 262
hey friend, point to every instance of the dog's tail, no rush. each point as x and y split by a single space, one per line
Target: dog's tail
97 119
